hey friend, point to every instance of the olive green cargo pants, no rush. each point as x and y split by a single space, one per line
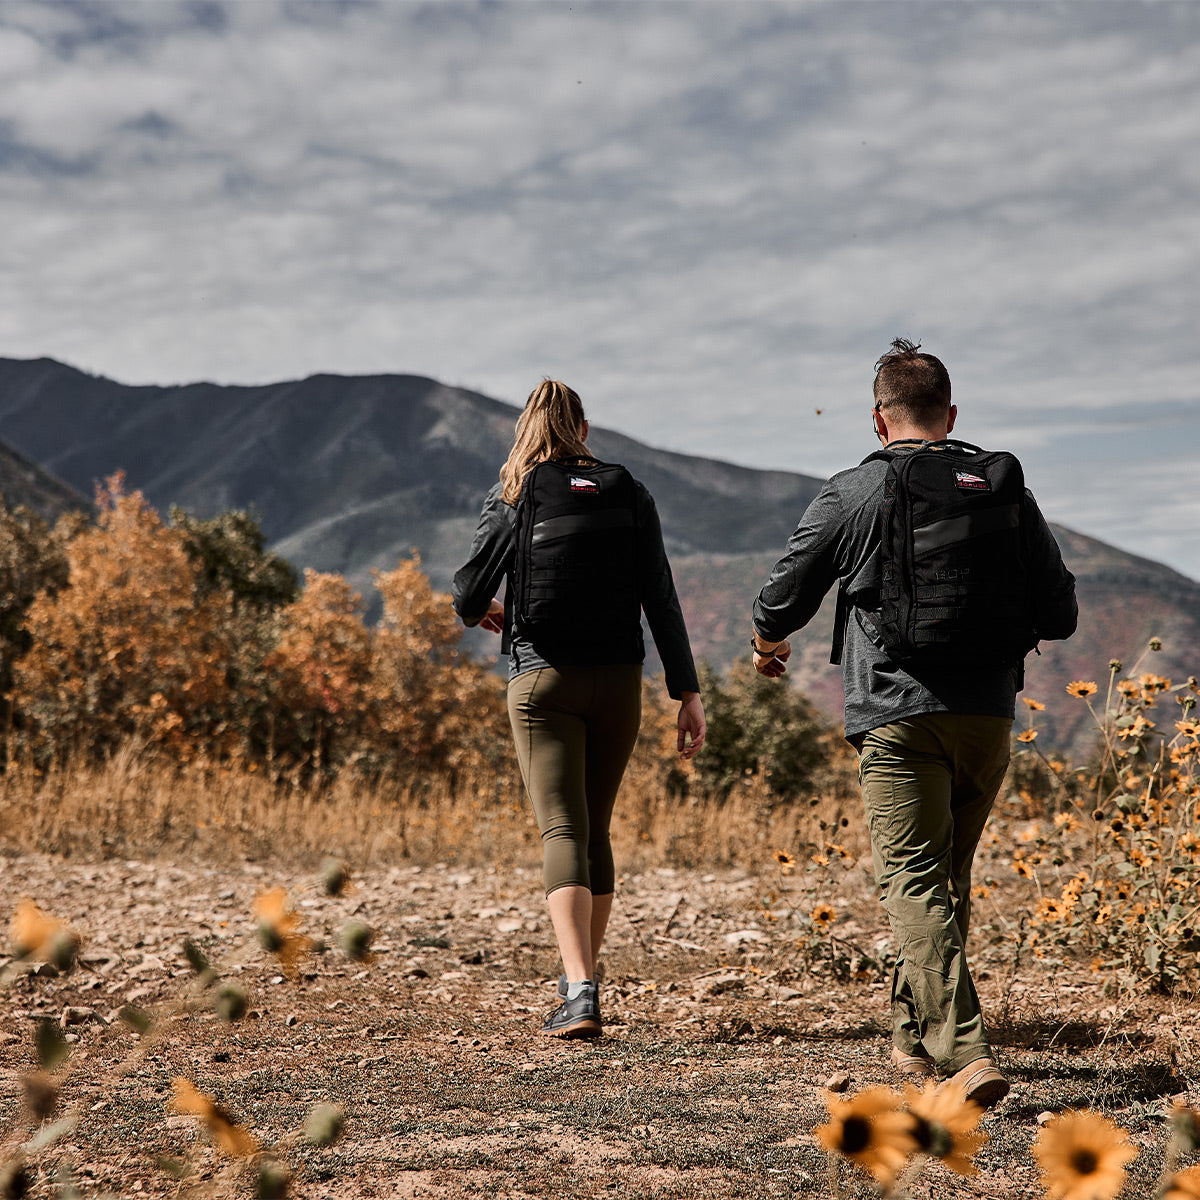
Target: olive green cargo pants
928 785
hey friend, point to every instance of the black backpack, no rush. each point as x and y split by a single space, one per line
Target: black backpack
577 597
955 589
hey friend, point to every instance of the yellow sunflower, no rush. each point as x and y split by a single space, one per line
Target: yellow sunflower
1049 909
823 916
871 1130
1082 1156
1027 735
1034 705
230 1136
37 935
1078 687
946 1122
786 862
277 929
1183 1185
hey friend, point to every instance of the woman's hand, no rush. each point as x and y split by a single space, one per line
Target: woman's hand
691 725
493 619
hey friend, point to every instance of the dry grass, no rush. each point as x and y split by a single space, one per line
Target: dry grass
142 805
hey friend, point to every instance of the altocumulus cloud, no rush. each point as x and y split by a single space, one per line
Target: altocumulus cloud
711 218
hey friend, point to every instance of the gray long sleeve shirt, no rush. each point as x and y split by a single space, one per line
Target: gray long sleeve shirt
492 561
838 539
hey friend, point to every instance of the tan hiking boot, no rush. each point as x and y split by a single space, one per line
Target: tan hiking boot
912 1064
981 1082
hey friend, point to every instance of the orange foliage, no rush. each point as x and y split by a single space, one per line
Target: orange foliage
126 649
319 672
431 701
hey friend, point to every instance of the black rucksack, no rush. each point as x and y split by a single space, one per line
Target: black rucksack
955 587
577 596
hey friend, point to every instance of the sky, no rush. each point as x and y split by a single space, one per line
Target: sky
709 218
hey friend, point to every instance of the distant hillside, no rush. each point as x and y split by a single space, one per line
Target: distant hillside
351 473
23 484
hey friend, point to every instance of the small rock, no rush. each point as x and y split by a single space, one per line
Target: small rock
290 1020
717 985
837 1082
741 937
78 1016
1043 1117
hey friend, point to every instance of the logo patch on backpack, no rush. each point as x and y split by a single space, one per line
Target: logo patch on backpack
969 482
579 484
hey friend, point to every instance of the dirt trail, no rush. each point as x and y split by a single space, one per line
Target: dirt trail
708 1081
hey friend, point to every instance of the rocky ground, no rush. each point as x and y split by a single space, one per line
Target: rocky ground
726 1015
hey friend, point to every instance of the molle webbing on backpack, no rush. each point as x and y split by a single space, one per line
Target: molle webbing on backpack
577 597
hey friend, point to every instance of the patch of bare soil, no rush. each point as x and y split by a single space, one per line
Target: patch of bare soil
721 1027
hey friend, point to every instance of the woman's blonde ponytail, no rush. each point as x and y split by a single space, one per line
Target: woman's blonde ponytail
550 427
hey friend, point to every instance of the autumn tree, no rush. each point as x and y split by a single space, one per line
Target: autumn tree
319 674
33 559
757 723
433 704
248 585
130 646
230 553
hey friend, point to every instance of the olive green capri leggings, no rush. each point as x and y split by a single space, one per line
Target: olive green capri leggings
574 728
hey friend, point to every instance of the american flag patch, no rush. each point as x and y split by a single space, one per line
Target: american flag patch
970 482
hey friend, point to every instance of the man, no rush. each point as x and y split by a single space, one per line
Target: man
933 739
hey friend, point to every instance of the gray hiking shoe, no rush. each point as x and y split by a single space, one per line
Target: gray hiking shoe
578 1018
562 982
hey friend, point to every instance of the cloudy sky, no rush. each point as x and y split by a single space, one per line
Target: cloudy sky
710 218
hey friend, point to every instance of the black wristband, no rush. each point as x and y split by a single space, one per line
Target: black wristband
765 653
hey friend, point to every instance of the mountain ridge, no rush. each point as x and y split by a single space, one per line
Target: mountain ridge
352 472
25 484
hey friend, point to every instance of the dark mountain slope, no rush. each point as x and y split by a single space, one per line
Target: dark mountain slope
351 473
23 484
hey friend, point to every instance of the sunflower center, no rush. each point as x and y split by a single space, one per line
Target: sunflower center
923 1132
1083 1161
856 1135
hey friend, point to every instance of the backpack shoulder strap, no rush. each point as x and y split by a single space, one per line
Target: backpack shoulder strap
841 615
840 618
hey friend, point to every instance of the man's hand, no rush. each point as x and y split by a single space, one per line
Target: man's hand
691 725
772 662
493 619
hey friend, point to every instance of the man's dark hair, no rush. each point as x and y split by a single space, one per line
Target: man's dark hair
916 385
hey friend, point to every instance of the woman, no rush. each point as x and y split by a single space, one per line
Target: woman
574 700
